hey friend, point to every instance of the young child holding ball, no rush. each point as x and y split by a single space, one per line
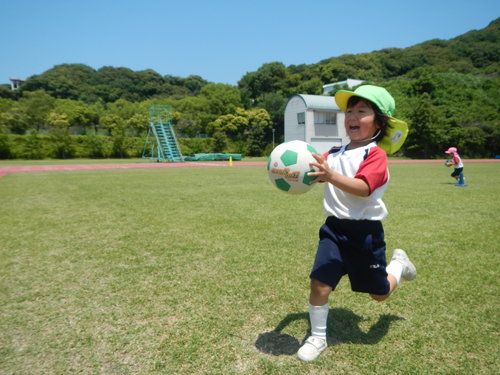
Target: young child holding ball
456 161
351 241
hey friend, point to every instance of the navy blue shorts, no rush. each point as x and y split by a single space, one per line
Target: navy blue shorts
456 172
355 248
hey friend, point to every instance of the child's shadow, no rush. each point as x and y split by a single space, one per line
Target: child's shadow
344 325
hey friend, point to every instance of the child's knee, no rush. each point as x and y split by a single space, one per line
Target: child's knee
379 297
320 288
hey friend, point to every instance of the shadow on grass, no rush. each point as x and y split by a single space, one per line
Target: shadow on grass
344 325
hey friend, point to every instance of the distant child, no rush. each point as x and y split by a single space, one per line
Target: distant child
351 242
456 161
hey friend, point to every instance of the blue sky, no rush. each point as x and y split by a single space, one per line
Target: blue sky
219 40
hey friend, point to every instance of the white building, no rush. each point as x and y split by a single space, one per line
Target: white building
15 83
349 83
316 120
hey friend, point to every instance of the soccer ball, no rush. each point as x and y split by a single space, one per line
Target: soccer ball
288 166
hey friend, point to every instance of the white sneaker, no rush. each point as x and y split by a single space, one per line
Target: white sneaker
409 270
312 348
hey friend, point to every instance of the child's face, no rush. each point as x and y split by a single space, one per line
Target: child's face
360 122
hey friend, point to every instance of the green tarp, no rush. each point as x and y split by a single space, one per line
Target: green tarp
213 156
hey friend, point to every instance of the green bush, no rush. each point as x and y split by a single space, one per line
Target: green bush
134 146
38 146
190 146
34 146
93 146
5 147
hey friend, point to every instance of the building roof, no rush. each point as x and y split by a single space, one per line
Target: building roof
349 83
319 102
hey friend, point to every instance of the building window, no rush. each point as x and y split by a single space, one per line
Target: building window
301 118
325 118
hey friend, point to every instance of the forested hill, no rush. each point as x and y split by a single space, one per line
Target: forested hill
447 90
476 52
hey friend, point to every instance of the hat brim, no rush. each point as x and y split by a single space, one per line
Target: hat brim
342 98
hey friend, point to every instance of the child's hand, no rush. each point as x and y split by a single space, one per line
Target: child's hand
323 171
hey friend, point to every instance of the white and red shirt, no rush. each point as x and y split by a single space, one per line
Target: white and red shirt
368 163
457 160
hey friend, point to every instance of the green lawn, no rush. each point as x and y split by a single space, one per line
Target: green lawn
205 271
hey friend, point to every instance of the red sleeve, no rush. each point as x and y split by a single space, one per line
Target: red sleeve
456 160
373 170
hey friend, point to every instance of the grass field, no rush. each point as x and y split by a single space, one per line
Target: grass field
205 271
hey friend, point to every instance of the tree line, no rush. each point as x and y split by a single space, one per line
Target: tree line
448 91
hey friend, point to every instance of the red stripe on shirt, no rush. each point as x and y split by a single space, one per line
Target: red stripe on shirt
373 170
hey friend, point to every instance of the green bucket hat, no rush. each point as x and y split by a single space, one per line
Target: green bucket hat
397 132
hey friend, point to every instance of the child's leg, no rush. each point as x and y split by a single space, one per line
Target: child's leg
393 283
318 316
319 293
327 267
399 267
318 308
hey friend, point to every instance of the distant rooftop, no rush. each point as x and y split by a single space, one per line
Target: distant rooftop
319 102
15 83
349 83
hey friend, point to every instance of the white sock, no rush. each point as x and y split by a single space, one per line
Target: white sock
395 268
318 316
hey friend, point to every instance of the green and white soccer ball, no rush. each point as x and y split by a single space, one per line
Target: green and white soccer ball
288 166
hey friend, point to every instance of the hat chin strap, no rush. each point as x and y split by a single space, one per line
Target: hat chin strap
370 139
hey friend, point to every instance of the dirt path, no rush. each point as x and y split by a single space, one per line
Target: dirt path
7 169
